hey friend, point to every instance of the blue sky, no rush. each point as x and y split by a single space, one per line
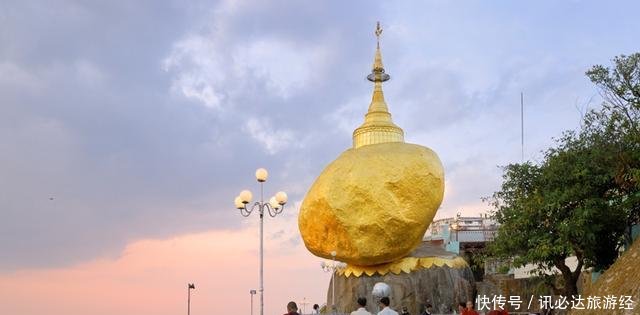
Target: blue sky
144 119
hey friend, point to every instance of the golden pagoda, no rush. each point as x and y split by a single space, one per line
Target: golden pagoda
378 126
372 205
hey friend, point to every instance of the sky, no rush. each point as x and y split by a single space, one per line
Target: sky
128 127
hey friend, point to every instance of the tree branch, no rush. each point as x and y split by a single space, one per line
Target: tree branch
580 258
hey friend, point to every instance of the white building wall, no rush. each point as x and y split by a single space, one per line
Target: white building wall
523 272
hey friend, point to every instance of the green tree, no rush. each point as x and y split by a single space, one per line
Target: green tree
617 127
620 87
584 194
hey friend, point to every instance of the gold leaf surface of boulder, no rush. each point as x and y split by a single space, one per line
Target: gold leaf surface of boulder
373 204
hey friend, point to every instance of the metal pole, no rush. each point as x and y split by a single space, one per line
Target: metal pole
522 123
241 203
261 249
188 300
333 286
251 302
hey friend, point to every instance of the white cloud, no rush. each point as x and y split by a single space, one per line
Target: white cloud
285 65
198 70
271 139
88 73
198 89
17 77
213 68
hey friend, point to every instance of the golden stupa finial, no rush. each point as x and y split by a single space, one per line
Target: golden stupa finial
378 33
378 68
378 126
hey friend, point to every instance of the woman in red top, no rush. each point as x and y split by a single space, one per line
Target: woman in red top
469 310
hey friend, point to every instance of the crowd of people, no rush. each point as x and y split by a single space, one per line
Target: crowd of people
462 309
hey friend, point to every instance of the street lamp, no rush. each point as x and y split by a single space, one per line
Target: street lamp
190 286
333 268
252 293
273 208
304 304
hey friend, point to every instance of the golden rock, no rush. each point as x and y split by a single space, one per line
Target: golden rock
373 204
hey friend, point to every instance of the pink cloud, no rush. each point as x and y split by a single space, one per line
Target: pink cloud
151 277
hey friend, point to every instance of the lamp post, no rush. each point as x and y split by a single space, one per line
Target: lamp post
304 304
252 293
333 268
190 286
273 208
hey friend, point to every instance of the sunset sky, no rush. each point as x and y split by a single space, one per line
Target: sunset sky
128 127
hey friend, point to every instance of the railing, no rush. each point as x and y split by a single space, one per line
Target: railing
473 236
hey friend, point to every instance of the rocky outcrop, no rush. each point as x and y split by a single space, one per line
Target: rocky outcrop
621 279
513 289
442 286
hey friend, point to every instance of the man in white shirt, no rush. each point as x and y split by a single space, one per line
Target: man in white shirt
384 304
361 311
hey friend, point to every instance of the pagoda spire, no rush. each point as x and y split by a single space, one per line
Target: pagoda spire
378 126
378 67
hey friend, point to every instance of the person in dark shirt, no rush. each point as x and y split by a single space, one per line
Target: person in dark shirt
428 309
292 308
